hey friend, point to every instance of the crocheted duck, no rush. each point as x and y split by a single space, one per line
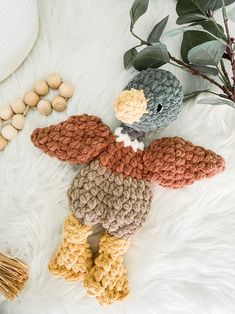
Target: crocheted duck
114 188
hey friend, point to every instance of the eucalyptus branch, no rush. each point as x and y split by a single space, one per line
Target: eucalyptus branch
210 51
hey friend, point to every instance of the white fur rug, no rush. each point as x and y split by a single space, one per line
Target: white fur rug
183 260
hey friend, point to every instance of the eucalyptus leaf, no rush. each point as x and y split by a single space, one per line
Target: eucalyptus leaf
231 14
216 101
217 4
195 38
180 30
151 57
189 18
213 28
192 39
138 8
206 69
194 27
185 7
129 56
158 30
194 94
208 53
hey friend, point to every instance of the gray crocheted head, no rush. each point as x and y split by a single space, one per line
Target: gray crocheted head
151 100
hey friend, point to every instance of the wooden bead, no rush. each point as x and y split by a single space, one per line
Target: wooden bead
54 80
31 99
41 88
59 103
44 107
66 90
18 121
9 132
6 112
3 143
18 106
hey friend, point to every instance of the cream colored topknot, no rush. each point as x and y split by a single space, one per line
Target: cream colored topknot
130 106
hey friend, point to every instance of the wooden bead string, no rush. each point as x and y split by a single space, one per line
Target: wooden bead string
12 117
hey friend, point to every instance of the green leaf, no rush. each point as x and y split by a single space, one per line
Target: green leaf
206 69
216 101
214 28
231 14
189 18
192 39
129 56
186 7
217 4
195 38
151 57
138 8
180 30
158 30
193 94
208 53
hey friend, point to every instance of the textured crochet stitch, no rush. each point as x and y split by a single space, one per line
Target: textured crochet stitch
114 187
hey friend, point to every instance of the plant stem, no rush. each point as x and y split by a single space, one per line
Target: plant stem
222 78
178 66
225 72
141 40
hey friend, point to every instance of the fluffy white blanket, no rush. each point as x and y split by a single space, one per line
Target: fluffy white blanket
183 260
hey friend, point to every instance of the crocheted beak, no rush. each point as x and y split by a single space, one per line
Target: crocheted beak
130 106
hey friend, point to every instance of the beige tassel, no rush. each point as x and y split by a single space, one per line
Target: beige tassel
13 275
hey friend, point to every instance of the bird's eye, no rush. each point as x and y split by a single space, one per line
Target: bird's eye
159 108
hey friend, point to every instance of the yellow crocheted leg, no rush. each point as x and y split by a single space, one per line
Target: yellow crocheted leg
74 257
107 279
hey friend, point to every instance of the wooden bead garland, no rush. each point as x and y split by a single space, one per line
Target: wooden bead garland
12 117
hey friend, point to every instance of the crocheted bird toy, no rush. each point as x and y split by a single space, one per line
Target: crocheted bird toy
114 187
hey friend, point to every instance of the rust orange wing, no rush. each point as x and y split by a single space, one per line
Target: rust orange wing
173 162
77 140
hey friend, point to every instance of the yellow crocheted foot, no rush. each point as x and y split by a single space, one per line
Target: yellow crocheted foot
107 279
74 257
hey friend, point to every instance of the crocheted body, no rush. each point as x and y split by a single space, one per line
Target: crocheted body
114 189
118 202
